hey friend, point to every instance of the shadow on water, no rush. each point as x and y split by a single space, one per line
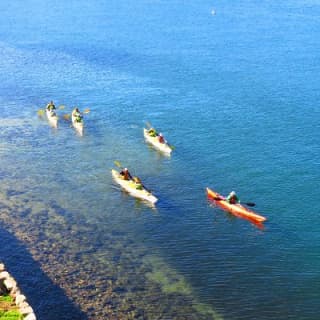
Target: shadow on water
48 301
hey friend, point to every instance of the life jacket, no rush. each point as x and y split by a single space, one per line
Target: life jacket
139 186
233 199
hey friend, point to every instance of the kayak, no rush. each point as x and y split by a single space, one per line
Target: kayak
235 209
77 125
52 118
164 147
130 187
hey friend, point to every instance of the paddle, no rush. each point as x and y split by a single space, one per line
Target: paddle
117 163
40 112
249 204
67 116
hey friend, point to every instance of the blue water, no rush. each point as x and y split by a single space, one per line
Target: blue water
236 93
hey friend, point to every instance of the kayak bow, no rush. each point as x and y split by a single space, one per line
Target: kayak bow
236 209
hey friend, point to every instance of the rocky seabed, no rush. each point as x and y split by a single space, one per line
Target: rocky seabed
9 286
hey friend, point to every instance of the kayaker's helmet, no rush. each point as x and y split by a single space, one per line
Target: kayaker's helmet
232 193
160 134
125 169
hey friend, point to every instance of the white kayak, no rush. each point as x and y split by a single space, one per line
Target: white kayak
52 118
164 147
130 187
77 125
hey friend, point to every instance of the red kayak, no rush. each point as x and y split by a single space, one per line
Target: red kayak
236 209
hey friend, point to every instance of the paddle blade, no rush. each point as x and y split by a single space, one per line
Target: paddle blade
117 163
86 110
250 204
66 117
148 124
61 107
40 112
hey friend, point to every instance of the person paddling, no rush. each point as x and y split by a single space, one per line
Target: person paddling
152 132
125 174
50 106
232 198
161 138
77 114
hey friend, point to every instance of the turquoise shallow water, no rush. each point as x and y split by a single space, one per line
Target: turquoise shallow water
236 93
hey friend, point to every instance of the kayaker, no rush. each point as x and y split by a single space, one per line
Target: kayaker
152 132
161 138
51 106
125 174
138 183
77 114
232 198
